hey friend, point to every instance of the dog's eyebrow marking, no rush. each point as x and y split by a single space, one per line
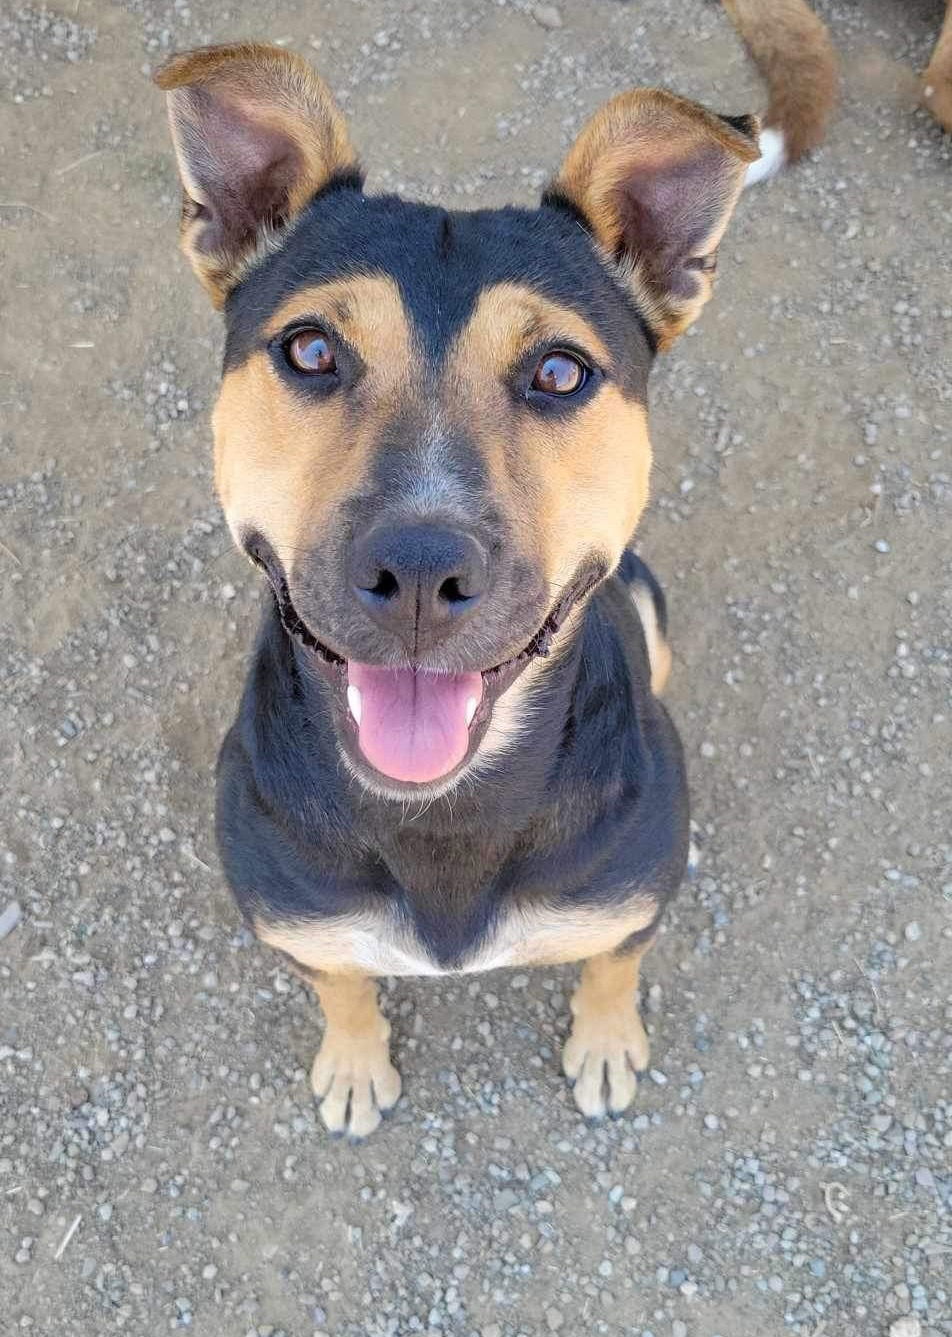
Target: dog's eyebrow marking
341 310
532 329
509 317
367 309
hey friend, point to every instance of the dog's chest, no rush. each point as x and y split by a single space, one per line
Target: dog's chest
538 935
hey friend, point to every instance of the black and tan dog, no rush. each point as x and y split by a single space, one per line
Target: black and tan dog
431 436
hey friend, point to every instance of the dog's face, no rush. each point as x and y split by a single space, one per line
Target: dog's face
431 431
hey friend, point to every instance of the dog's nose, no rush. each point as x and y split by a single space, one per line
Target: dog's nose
419 581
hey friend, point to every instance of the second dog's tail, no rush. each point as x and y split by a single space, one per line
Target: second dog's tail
794 53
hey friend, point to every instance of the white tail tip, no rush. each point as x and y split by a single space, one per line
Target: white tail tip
773 157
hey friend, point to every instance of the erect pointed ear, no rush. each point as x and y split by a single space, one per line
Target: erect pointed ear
257 135
656 178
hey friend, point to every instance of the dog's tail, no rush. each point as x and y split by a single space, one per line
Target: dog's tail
793 51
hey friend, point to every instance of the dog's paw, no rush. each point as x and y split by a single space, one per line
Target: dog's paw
356 1083
602 1058
937 95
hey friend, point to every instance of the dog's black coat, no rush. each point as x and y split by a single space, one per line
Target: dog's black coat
587 808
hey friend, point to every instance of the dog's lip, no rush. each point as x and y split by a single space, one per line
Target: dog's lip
497 676
496 679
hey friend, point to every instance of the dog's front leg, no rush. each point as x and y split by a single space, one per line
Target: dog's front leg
937 80
352 1072
607 1046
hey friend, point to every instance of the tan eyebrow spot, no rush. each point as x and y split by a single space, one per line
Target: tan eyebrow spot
366 310
509 318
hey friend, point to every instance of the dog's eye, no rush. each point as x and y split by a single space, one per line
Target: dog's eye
559 374
310 352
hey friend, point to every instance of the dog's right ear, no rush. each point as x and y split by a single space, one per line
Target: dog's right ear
257 135
656 178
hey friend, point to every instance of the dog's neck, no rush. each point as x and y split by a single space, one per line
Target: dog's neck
288 732
541 813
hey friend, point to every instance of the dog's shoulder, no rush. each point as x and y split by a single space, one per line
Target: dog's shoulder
624 758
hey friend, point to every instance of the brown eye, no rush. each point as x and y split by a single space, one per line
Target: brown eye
559 374
309 351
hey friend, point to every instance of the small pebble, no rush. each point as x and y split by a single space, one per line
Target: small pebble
9 918
547 16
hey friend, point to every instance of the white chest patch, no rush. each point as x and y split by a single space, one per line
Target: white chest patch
542 935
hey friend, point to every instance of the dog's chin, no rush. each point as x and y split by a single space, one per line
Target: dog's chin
414 731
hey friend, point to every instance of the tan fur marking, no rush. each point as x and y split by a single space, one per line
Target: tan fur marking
366 309
937 80
607 1045
593 481
659 651
352 1073
575 486
510 318
282 466
535 935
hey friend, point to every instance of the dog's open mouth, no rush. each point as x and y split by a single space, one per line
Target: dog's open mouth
415 725
412 725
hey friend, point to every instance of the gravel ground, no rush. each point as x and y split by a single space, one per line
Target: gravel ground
787 1168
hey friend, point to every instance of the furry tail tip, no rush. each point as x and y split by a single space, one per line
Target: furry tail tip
773 157
793 51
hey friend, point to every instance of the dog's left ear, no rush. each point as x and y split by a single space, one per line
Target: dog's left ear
656 178
257 135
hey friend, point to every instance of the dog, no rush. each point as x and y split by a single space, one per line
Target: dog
451 754
792 49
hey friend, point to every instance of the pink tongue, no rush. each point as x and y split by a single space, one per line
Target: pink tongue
413 726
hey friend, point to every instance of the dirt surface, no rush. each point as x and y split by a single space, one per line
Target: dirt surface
787 1168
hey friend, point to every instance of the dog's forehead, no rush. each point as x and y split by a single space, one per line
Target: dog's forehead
440 262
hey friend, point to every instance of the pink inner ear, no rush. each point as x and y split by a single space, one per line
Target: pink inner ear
669 209
244 167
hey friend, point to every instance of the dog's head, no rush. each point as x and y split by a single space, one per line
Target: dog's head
431 431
